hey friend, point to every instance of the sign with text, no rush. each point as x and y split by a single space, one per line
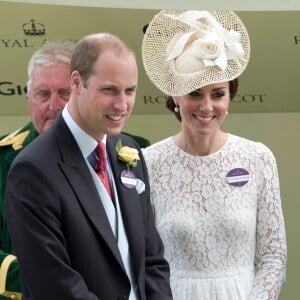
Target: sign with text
269 83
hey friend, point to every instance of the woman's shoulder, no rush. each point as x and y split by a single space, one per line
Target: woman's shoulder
159 146
244 144
158 152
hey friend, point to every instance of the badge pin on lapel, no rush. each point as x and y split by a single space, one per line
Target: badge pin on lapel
128 179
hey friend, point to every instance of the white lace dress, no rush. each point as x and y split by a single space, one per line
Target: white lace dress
224 234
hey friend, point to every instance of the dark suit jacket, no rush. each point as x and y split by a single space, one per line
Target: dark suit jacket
60 231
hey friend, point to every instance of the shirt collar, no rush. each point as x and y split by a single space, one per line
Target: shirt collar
86 143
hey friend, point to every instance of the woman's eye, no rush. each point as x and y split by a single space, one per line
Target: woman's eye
219 94
194 94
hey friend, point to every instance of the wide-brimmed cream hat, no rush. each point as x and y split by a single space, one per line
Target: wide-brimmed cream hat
183 51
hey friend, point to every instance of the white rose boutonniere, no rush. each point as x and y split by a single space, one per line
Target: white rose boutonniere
126 154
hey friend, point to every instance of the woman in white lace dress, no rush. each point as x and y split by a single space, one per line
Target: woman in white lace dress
215 196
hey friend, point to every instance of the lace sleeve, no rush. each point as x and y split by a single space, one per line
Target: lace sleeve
270 232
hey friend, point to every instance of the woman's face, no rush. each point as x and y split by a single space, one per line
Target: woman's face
202 111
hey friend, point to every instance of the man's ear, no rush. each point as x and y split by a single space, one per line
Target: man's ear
76 82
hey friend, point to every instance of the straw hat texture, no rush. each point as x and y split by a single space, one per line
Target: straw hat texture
183 51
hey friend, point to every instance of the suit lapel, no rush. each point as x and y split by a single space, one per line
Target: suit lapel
130 207
77 173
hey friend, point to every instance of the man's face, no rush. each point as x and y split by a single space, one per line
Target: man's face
48 94
102 105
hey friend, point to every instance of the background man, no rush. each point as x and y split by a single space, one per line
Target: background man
48 90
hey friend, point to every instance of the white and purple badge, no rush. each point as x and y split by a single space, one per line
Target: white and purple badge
128 179
237 177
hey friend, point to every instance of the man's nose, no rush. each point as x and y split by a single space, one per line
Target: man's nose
121 101
56 104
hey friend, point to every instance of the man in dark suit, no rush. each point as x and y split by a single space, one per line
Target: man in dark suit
74 238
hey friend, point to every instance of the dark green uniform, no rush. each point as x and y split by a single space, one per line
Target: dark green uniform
143 143
9 148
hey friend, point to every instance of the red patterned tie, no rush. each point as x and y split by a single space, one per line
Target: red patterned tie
100 167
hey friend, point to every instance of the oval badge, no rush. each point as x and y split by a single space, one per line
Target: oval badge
128 179
238 177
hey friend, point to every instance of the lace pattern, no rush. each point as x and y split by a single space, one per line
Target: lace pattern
222 241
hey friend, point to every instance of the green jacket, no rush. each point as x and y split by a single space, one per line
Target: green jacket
143 142
10 146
